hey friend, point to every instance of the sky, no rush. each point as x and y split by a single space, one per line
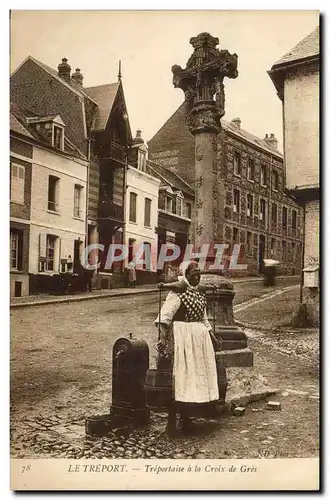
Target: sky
149 43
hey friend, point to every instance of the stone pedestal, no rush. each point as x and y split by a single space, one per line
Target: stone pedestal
239 382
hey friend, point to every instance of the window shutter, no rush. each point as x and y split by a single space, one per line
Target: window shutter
42 245
17 184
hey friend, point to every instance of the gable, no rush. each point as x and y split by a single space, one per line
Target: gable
35 89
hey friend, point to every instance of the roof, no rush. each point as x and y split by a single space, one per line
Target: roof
170 178
104 96
177 126
54 73
306 48
16 126
230 127
20 125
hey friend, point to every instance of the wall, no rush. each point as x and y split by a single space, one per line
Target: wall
20 153
301 130
145 186
312 232
173 146
62 224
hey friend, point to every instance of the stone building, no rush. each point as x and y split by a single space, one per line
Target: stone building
48 181
296 77
252 207
141 213
175 209
97 125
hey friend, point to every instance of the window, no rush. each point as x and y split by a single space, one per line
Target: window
263 176
294 219
275 180
262 209
16 250
274 213
133 207
53 185
293 251
272 247
251 169
284 217
17 183
284 250
50 255
147 212
179 205
77 200
250 205
249 243
237 164
169 204
58 137
131 245
236 201
141 160
188 208
147 255
235 235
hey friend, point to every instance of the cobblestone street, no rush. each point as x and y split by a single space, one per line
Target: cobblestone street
61 373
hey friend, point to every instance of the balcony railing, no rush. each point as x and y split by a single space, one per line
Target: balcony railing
110 210
117 152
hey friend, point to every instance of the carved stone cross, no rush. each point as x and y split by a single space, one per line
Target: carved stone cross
202 82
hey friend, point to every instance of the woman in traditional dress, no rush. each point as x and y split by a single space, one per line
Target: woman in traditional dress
189 344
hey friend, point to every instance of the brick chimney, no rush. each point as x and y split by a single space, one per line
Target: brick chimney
64 70
77 77
236 122
138 139
271 141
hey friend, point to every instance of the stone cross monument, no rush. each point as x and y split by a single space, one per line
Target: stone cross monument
202 83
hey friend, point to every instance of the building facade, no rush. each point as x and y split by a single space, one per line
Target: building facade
252 207
48 200
141 215
175 209
296 77
97 126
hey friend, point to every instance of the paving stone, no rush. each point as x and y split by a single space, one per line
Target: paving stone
273 406
239 411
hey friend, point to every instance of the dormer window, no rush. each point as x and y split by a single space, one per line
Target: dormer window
51 127
141 160
58 137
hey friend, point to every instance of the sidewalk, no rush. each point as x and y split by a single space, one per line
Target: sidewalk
43 299
269 322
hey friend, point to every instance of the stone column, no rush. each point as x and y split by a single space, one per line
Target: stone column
205 157
202 83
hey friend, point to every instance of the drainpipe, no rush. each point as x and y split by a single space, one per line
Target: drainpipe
87 191
303 256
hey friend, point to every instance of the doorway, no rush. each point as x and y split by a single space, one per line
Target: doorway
261 253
